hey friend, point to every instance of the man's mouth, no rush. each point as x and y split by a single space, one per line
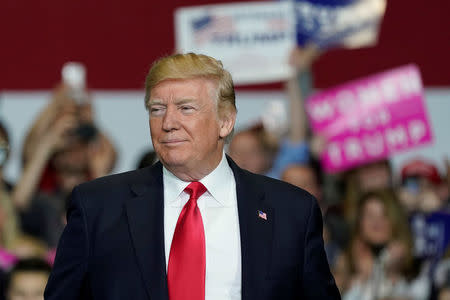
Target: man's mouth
173 141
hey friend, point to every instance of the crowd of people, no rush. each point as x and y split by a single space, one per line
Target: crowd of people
62 149
386 234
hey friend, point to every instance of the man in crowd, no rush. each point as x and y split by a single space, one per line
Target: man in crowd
194 226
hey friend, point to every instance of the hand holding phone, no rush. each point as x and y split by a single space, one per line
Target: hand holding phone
74 77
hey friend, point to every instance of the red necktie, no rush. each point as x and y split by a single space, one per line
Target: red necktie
186 270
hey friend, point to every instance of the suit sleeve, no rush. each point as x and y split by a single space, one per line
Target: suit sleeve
68 278
318 283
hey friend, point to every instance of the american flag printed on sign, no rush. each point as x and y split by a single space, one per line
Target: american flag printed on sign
208 25
262 215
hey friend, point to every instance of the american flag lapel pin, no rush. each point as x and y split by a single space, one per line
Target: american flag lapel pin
262 215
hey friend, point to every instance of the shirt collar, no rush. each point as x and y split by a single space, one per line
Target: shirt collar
218 183
173 186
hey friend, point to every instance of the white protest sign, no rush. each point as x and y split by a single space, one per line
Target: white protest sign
253 40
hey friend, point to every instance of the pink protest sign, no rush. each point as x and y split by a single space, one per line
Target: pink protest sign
369 119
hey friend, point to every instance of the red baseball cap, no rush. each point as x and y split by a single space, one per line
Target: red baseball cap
421 168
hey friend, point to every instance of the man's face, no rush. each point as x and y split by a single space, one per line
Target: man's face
27 286
303 177
186 131
247 152
418 193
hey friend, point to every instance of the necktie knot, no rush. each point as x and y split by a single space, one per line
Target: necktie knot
195 189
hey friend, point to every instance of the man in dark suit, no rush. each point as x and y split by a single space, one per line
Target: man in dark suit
194 226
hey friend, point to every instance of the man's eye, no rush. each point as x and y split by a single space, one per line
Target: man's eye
156 110
187 108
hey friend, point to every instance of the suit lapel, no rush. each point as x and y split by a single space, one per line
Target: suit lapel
255 231
145 214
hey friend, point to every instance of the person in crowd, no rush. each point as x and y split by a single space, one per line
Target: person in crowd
26 246
341 272
149 158
63 148
27 280
309 177
253 149
9 228
4 154
75 146
447 177
420 194
380 252
14 244
161 214
422 187
441 277
264 152
305 177
444 293
360 180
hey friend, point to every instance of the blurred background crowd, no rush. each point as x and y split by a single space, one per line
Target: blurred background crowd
386 230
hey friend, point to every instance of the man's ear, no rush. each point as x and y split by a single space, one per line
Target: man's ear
226 122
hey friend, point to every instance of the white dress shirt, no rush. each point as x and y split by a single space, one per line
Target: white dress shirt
218 207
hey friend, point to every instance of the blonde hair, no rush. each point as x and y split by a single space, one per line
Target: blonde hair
27 246
10 230
190 66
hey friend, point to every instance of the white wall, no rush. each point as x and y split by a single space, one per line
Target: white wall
123 117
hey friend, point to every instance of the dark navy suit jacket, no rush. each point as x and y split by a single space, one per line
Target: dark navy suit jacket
113 245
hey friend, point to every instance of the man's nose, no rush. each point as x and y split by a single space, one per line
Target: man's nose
170 120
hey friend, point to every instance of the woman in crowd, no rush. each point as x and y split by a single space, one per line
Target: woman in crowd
380 252
363 179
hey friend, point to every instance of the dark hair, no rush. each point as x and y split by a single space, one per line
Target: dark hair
35 265
352 188
316 167
147 159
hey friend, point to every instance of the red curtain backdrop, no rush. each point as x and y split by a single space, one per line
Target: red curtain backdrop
118 40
